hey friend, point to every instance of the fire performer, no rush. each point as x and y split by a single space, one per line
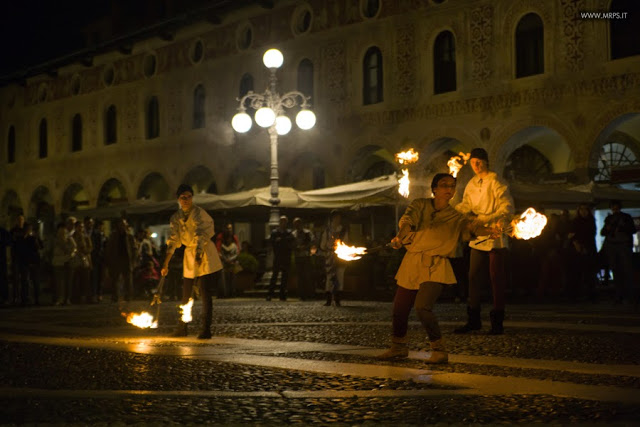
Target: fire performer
334 268
431 230
192 227
487 199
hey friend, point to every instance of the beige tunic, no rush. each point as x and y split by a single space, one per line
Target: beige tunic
434 238
195 234
490 200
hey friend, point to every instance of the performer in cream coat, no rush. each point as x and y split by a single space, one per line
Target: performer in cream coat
430 229
487 200
192 227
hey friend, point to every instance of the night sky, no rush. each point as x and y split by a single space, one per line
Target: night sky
33 31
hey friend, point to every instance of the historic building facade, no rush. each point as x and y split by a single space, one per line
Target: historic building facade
552 95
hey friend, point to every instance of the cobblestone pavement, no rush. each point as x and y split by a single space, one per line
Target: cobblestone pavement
299 362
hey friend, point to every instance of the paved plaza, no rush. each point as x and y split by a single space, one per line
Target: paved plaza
299 362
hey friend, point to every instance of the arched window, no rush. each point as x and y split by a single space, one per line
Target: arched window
110 126
76 133
444 63
153 118
246 85
43 144
527 164
372 92
305 77
614 155
623 37
11 145
198 107
529 46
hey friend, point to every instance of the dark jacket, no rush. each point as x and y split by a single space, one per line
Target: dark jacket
283 243
120 251
618 229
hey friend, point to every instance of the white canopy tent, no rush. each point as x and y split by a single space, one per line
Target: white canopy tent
381 191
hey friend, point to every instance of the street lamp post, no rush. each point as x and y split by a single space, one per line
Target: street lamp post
270 109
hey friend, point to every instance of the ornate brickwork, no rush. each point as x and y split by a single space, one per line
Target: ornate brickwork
391 8
481 35
606 86
92 79
333 56
572 29
220 42
173 56
406 59
129 69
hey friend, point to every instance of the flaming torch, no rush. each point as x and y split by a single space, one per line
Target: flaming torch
186 311
348 253
405 157
141 320
404 182
529 225
456 163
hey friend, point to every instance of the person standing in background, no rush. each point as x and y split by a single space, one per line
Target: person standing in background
282 243
334 267
303 242
618 231
5 243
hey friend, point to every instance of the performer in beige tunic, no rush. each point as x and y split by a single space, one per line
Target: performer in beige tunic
192 227
430 229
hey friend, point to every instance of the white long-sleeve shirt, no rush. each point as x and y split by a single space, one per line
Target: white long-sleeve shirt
490 200
195 233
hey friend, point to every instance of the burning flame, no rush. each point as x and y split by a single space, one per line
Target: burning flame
186 311
348 253
141 320
456 163
408 156
529 225
404 182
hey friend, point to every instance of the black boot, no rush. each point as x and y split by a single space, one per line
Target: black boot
336 298
205 334
329 298
497 317
181 330
473 321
